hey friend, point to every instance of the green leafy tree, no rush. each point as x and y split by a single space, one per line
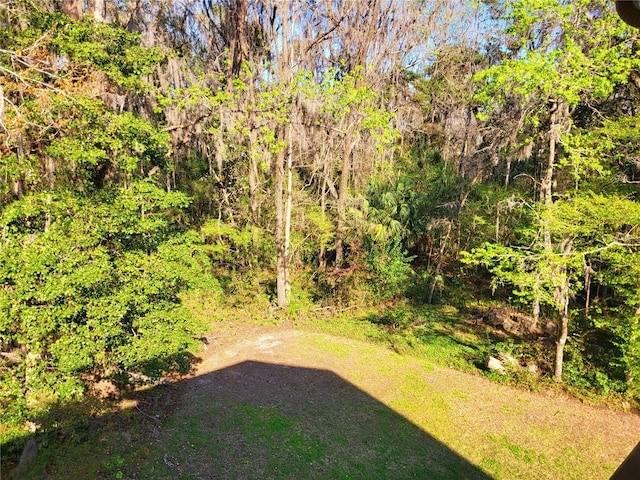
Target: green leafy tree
563 55
63 120
606 236
390 218
94 254
91 287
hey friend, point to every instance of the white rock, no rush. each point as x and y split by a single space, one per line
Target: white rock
494 364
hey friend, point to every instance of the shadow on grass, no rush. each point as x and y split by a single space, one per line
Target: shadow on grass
252 420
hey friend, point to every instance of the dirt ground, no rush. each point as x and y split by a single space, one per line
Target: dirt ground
487 430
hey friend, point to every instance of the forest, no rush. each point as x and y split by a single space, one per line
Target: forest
304 158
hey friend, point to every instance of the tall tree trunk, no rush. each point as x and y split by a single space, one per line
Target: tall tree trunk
237 34
50 170
546 186
220 145
437 276
563 330
282 264
587 283
16 184
253 176
47 217
73 8
559 113
287 217
557 118
322 261
100 10
507 174
327 189
342 197
562 293
562 300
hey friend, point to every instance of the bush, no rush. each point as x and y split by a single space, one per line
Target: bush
391 270
91 289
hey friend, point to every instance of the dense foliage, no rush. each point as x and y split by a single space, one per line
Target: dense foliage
96 293
326 153
94 255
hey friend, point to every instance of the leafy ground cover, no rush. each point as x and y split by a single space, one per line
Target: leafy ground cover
274 398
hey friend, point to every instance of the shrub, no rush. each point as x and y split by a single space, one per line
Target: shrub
391 270
91 289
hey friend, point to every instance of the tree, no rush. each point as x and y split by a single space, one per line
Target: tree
563 55
95 253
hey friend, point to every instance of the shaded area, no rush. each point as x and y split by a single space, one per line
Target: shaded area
275 421
630 467
442 336
256 420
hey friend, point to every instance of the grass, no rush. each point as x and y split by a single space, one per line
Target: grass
329 430
449 336
394 412
436 332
